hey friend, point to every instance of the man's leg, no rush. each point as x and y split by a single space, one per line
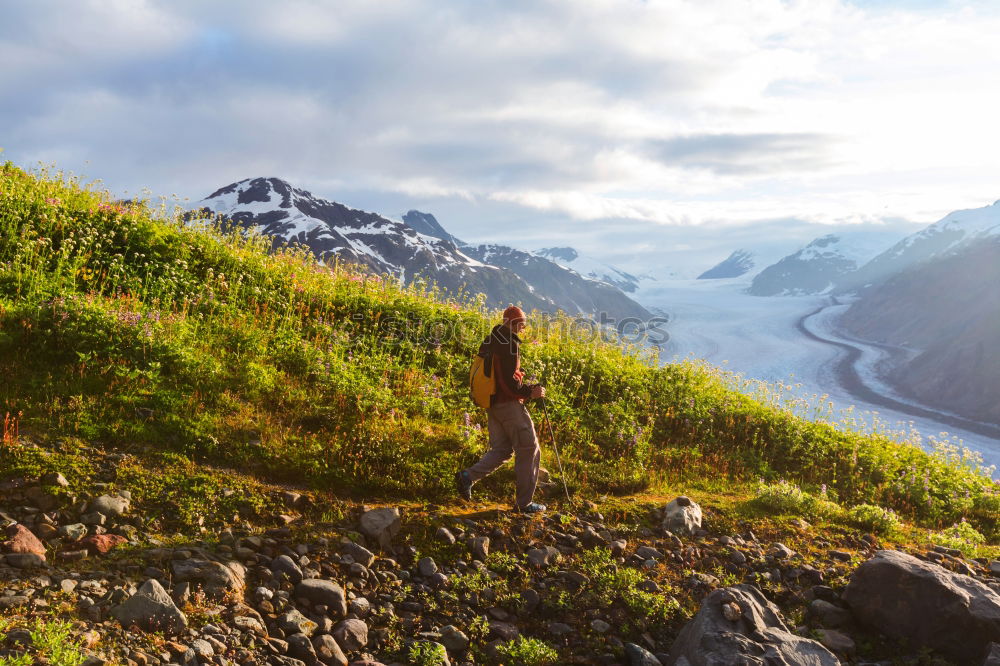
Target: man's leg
528 454
501 445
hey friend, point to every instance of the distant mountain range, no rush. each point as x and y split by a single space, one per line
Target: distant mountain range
416 248
934 295
740 262
821 265
593 269
937 293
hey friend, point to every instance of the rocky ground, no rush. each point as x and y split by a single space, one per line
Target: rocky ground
652 583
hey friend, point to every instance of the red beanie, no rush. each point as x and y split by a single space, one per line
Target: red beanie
513 314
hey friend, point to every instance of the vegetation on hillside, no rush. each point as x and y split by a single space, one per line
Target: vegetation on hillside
119 324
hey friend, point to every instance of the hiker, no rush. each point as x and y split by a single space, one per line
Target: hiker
510 426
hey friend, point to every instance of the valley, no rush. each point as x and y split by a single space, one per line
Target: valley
761 339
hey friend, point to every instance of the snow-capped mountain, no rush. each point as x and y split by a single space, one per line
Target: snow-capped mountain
957 230
588 267
272 207
428 225
575 292
820 265
738 263
288 215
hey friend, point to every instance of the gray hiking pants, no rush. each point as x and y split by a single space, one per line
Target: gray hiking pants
511 432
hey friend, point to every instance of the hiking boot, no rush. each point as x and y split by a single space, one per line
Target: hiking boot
463 484
534 507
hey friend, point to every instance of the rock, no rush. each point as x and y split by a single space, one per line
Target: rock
102 544
837 642
151 609
454 639
925 604
283 565
437 580
55 479
542 557
300 647
732 611
93 518
648 553
829 615
640 656
294 622
445 535
504 630
427 567
480 547
25 560
352 635
381 525
10 603
109 506
73 555
21 540
993 656
600 626
359 554
682 515
41 498
759 635
780 551
249 624
202 648
559 628
216 579
359 606
328 651
72 532
995 567
530 600
325 592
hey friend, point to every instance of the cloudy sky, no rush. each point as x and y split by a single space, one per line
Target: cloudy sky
647 133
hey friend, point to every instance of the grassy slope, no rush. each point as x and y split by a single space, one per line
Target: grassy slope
120 327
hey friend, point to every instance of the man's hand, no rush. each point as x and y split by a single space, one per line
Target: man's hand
538 391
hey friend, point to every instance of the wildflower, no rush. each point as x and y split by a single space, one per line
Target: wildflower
53 201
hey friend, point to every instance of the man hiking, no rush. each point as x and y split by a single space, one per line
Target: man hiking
510 426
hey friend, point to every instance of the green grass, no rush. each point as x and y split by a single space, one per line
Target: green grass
122 326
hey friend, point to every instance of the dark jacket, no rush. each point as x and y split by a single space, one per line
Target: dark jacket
504 347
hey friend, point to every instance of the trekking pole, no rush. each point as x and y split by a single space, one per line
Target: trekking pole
562 474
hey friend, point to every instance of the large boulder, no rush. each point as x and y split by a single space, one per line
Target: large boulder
738 625
151 609
216 579
682 515
925 604
21 540
381 525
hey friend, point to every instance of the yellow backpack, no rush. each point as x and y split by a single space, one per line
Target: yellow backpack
482 381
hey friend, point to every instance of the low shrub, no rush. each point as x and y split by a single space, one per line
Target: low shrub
874 518
527 652
961 536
